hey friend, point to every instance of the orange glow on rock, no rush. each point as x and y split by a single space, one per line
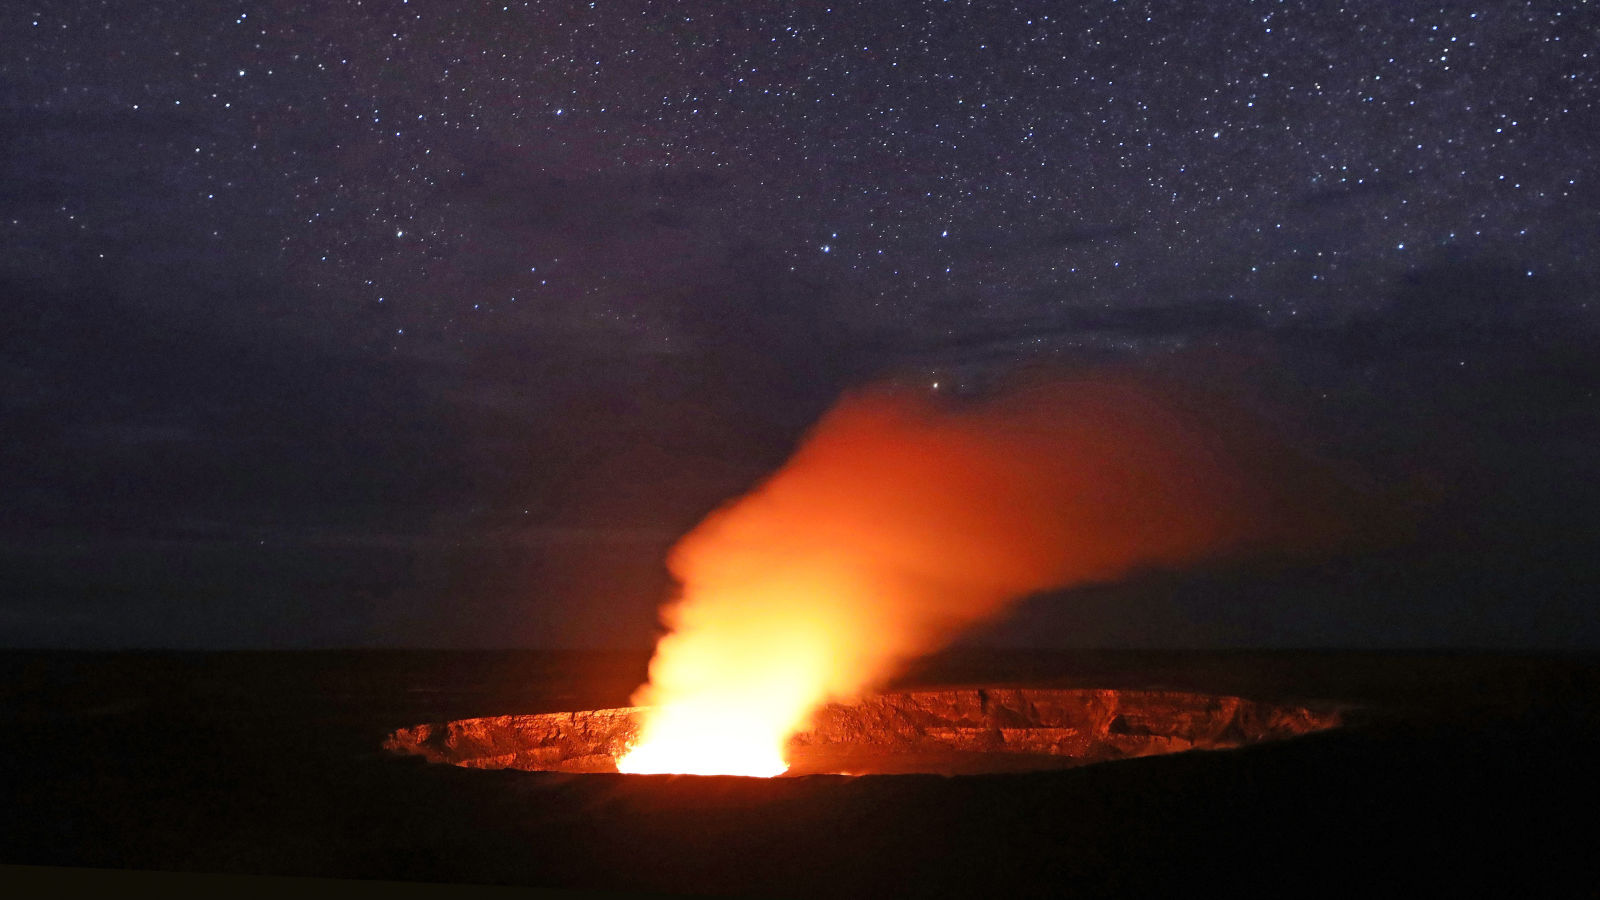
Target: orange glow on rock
903 519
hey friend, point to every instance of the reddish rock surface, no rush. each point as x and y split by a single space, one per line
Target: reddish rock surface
938 731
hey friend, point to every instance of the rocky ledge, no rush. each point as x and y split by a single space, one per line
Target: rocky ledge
944 732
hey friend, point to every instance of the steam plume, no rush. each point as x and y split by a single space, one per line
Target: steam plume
903 519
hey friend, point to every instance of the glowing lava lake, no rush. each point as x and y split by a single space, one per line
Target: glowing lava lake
948 732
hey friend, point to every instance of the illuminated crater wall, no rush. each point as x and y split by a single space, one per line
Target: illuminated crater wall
947 732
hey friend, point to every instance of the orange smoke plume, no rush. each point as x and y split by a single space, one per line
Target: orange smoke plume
905 518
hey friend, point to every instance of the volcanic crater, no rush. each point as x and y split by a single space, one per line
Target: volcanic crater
947 732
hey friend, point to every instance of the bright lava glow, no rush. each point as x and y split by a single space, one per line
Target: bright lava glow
692 742
734 682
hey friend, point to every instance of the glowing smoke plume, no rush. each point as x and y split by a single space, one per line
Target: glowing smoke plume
903 519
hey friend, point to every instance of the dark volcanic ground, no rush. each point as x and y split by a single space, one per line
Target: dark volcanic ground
1459 771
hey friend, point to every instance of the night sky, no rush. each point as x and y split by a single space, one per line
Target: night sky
392 322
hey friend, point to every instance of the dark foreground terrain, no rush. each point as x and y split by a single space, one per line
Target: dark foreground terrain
1456 771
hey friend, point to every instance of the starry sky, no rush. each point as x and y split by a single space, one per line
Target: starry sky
400 322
